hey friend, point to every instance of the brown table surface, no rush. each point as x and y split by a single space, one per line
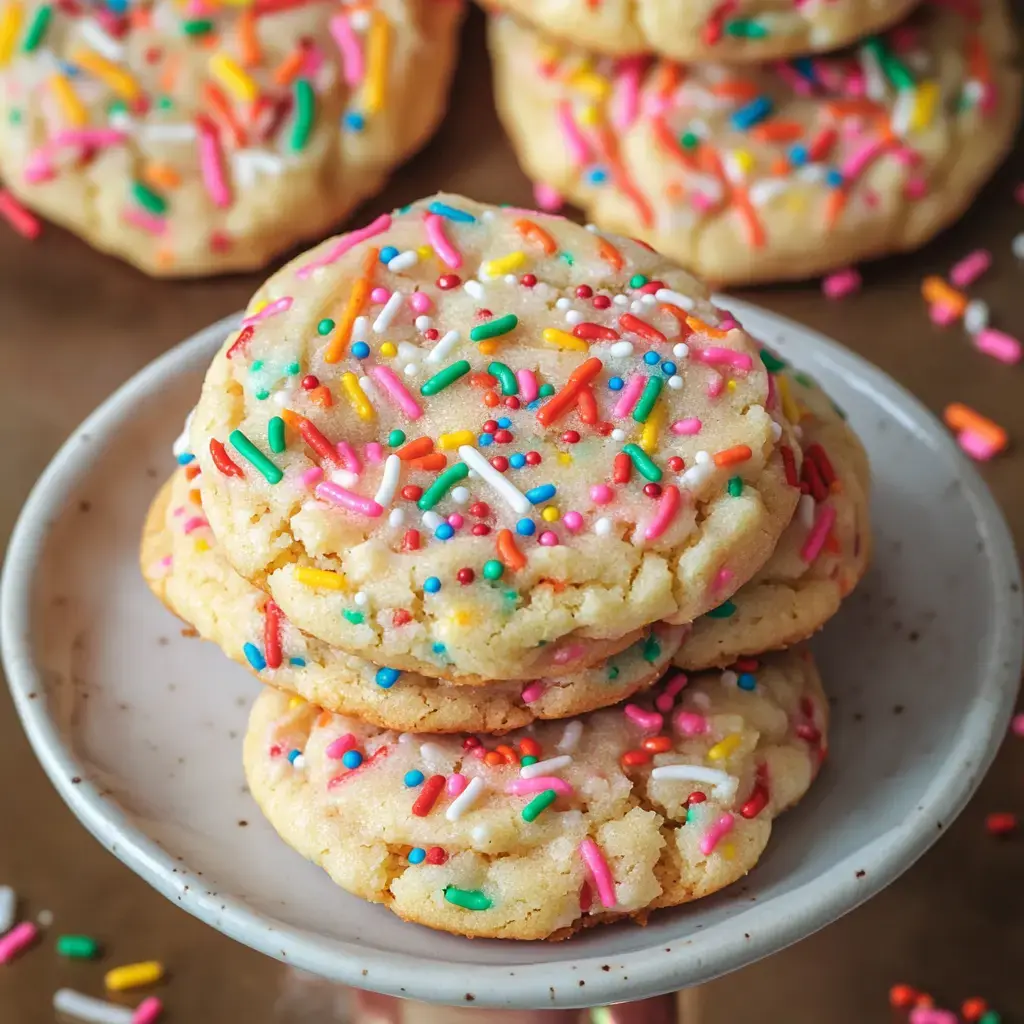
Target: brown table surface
74 325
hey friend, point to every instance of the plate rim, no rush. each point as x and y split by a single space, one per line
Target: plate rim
813 905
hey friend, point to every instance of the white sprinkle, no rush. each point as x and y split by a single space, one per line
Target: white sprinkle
299 762
93 1011
571 736
621 349
410 369
548 767
680 350
648 299
700 699
481 834
725 785
344 477
703 458
403 261
509 279
729 679
618 434
99 40
806 510
389 480
423 322
282 399
396 517
182 133
44 918
360 20
636 306
360 328
431 520
563 303
369 388
465 800
8 908
440 351
903 111
1018 246
388 313
573 316
460 495
475 288
433 754
512 495
603 526
675 382
976 316
620 300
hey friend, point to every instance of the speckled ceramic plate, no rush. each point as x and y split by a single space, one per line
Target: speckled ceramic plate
140 728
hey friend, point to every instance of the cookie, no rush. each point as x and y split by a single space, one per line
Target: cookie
782 171
820 557
554 827
198 139
696 31
183 567
470 441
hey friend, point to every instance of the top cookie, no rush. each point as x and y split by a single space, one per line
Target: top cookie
706 30
479 442
199 138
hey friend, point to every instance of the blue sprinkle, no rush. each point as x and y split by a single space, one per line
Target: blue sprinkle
431 584
185 458
517 461
387 254
668 368
751 113
650 358
504 423
486 439
413 778
535 404
445 531
746 681
616 383
526 528
294 755
798 155
254 657
543 492
354 121
805 66
360 350
834 178
352 759
386 677
597 176
297 662
417 855
439 648
443 210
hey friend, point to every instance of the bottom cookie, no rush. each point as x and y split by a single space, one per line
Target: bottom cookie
551 828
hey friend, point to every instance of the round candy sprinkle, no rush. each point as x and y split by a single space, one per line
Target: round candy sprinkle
417 855
360 350
385 678
493 569
413 778
352 759
396 438
325 326
431 584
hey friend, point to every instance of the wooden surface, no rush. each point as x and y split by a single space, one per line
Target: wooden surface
74 324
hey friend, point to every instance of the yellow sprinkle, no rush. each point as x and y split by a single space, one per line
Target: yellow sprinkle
424 252
202 545
10 26
134 975
565 458
106 71
234 389
724 747
562 339
324 579
258 306
731 386
448 442
388 349
789 407
926 99
589 115
241 85
504 264
727 850
652 428
744 160
74 111
597 87
357 396
295 702
378 45
463 618
550 514
488 347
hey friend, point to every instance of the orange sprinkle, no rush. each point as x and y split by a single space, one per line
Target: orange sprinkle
493 758
777 131
667 77
535 233
609 253
482 380
416 449
609 145
668 141
434 461
356 300
286 72
731 456
321 396
937 292
223 113
161 176
834 205
191 471
755 229
685 330
963 417
511 757
293 419
508 552
699 327
248 41
977 58
324 719
169 75
529 747
488 346
853 108
657 744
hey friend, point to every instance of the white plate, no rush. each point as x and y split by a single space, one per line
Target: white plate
140 728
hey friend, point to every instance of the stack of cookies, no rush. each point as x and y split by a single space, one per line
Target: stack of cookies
509 517
760 140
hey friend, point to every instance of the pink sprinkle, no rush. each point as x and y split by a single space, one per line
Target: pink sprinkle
722 579
420 302
456 521
815 541
715 385
538 784
547 198
575 144
649 721
374 452
19 938
348 45
668 506
689 723
548 539
627 92
664 701
928 1015
380 295
1017 725
970 268
281 305
146 221
728 323
573 521
601 494
211 165
337 748
701 203
686 428
999 345
841 283
311 476
528 389
446 252
716 355
598 866
195 523
629 395
714 834
166 561
349 458
572 652
148 1011
346 242
338 495
916 188
532 692
397 391
976 446
456 783
942 316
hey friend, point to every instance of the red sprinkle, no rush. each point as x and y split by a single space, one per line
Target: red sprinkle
1002 823
901 997
595 332
465 576
272 635
622 468
401 617
641 329
435 855
448 281
18 217
243 339
223 461
821 460
428 796
312 436
789 462
309 382
480 509
412 492
411 540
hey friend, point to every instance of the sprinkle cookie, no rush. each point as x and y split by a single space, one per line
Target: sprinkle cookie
820 557
554 827
477 442
196 139
747 174
183 567
696 31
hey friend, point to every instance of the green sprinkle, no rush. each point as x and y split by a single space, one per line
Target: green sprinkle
275 434
396 438
745 28
37 28
545 390
990 1017
802 378
253 455
613 672
197 27
647 399
899 75
257 365
643 463
494 328
305 107
147 198
528 759
468 899
772 363
637 281
325 326
77 947
356 618
735 486
724 611
493 569
165 103
689 140
263 394
506 378
292 368
652 649
444 378
14 117
442 485
541 802
567 257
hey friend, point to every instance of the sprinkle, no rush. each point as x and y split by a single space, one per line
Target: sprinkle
979 436
541 493
566 398
751 113
131 976
674 299
824 520
211 163
937 293
515 498
357 396
725 747
539 804
253 455
27 225
651 391
970 268
725 785
538 784
650 721
224 463
108 72
598 867
504 264
563 340
8 908
999 345
338 495
533 232
322 579
345 243
77 947
1002 823
10 25
254 657
17 940
629 396
387 314
451 213
510 555
668 506
446 252
397 391
94 1011
468 899
842 283
641 329
443 484
275 435
715 833
230 75
494 328
444 347
465 800
378 46
733 456
428 796
445 378
389 480
642 462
